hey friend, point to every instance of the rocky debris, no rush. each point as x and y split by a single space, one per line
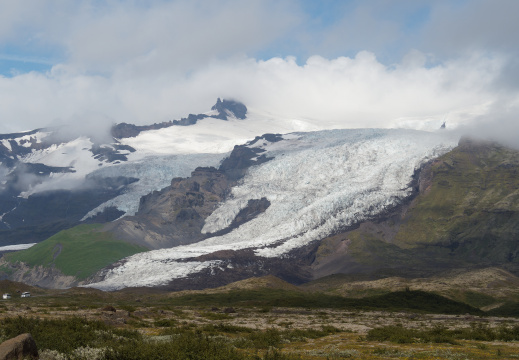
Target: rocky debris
236 265
46 277
18 348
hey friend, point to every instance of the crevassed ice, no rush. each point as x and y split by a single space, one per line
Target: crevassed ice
332 180
317 183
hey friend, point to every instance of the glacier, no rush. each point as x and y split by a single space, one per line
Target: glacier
159 155
317 183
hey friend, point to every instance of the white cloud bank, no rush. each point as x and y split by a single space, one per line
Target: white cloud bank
154 60
344 92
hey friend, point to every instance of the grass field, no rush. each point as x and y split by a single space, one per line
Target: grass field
395 301
80 251
91 324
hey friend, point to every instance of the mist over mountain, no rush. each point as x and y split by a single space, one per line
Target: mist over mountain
54 178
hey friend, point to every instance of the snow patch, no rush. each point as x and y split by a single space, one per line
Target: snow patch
7 144
16 247
212 135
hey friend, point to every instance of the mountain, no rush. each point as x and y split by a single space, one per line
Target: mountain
465 215
272 199
297 205
312 185
55 178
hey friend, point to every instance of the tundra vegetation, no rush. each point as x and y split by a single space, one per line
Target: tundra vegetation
254 323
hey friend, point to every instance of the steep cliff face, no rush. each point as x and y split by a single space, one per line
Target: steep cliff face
466 214
175 215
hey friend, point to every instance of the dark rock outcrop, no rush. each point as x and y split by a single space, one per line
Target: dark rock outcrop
110 153
174 215
243 157
253 209
190 120
229 106
18 348
124 130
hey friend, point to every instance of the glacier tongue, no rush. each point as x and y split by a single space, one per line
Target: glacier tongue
317 183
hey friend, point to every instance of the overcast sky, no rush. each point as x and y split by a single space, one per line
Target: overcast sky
377 63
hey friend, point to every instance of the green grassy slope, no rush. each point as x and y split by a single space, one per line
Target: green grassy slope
466 216
472 205
419 301
80 251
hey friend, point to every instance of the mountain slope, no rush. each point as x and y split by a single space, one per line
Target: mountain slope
465 215
316 183
72 254
307 205
52 179
101 175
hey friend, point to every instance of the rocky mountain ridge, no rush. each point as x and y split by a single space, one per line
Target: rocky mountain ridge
54 178
223 110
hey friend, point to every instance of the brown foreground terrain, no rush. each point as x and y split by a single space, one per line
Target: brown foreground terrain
255 319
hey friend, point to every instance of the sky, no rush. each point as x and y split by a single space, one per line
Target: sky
377 63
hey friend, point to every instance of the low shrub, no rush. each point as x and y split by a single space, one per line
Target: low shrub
186 345
440 334
216 316
65 335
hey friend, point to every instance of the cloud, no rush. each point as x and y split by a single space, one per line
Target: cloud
340 92
499 124
475 25
151 61
140 37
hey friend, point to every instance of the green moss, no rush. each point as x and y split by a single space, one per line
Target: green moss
508 309
368 249
80 251
472 201
6 270
441 334
478 299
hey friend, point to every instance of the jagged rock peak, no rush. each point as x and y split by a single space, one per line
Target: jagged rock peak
228 107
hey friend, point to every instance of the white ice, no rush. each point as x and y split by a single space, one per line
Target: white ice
318 183
16 247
